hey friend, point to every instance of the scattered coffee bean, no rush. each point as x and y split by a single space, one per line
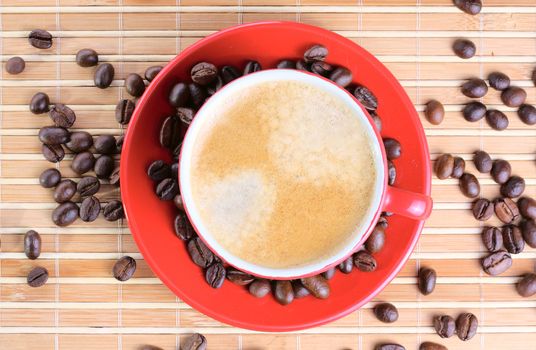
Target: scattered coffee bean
53 153
492 238
444 166
475 88
391 173
177 200
527 207
124 268
62 115
65 190
104 166
238 277
317 285
329 273
315 53
65 214
389 347
347 265
252 67
501 171
215 275
472 7
53 135
105 144
459 168
527 114
124 110
283 292
497 263
464 48
528 230
514 187
321 68
90 209
534 76
341 76
514 96
229 73
204 73
215 86
497 119
427 280
37 277
158 170
88 186
150 347
526 287
259 288
83 162
428 345
366 98
287 64
152 72
87 58
170 132
377 120
49 178
469 185
444 326
200 254
198 94
80 141
499 81
119 143
393 149
114 178
32 244
299 289
474 111
466 326
104 75
506 210
40 39
375 241
167 189
386 312
186 115
365 262
302 65
113 211
183 228
39 103
482 161
15 65
175 170
513 239
434 112
134 84
195 342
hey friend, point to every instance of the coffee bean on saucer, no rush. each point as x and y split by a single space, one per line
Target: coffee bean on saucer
501 171
506 210
364 261
204 73
124 110
474 111
200 254
386 312
472 7
469 185
105 144
492 239
170 132
104 166
113 211
527 207
341 76
366 97
346 266
152 72
377 120
444 166
104 75
64 191
466 326
134 85
528 230
195 342
215 275
514 187
428 345
15 65
497 119
299 289
483 162
303 66
464 48
513 239
32 245
497 263
80 141
65 214
186 115
444 326
183 228
514 96
87 58
114 178
499 81
124 268
90 209
238 277
53 153
427 280
40 39
526 287
382 222
37 277
88 186
459 168
286 64
62 115
315 53
329 273
527 114
317 286
175 170
49 178
53 135
229 73
375 241
252 67
39 103
259 288
434 112
214 87
198 94
83 162
283 292
475 88
167 189
321 68
393 150
158 170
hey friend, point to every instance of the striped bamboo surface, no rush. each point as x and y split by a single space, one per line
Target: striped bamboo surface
83 307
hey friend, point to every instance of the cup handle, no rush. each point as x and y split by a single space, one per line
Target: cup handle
409 204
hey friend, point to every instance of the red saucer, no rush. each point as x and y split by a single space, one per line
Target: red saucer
151 220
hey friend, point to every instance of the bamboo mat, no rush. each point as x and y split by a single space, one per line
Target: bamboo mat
83 307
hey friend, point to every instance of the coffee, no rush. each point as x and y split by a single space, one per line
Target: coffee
283 174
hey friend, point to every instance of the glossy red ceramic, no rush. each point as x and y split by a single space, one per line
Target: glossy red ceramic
151 221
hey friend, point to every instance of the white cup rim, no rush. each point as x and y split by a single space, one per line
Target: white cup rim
185 185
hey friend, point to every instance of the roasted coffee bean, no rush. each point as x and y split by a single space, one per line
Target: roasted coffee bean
513 96
87 58
186 115
302 65
195 342
497 263
506 210
39 103
513 239
321 68
497 119
204 73
134 85
53 153
514 187
434 112
62 115
114 178
32 244
152 72
229 73
40 39
175 170
90 209
252 67
427 280
88 186
528 230
483 162
393 149
124 268
382 222
444 166
198 94
469 185
283 292
179 95
113 211
65 190
366 97
158 170
391 172
317 285
475 88
526 287
389 347
472 7
464 48
49 178
65 214
428 345
347 265
119 143
183 228
466 326
259 288
499 81
167 189
329 273
215 275
177 200
286 64
15 65
527 114
104 165
53 135
124 110
377 120
444 326
170 132
364 261
375 241
527 207
150 347
200 254
501 171
104 75
315 53
238 277
37 277
341 76
80 141
105 144
492 239
459 168
83 162
386 312
299 289
214 87
474 111
534 76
